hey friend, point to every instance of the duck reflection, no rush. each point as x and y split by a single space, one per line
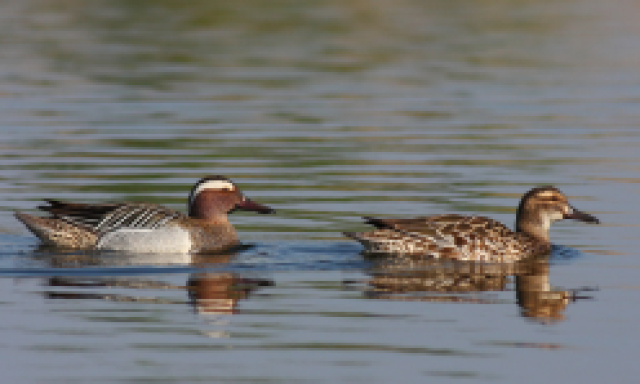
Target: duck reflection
219 293
535 296
207 292
464 281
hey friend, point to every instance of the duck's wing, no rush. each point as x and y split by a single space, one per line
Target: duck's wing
448 227
410 236
415 227
103 218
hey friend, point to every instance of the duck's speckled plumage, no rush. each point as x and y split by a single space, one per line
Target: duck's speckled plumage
448 236
474 238
141 227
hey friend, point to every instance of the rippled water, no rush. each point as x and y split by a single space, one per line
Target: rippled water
326 111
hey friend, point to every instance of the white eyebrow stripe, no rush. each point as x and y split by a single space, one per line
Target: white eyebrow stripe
212 184
548 194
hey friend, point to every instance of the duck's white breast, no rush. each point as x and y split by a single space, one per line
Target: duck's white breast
162 240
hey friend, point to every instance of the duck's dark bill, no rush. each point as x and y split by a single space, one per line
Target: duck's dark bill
579 215
250 205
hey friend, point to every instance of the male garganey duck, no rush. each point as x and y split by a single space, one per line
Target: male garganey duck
147 228
474 238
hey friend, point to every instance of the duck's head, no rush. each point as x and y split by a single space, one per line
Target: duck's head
542 206
212 196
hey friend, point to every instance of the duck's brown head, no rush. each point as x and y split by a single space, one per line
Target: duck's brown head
542 206
213 196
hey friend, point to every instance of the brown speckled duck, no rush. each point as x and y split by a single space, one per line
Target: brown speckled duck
474 238
147 228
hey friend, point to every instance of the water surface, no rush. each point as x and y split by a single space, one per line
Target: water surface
326 111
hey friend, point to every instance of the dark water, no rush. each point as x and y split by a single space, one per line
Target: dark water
326 111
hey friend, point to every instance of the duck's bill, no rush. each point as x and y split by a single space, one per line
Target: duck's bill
575 214
250 205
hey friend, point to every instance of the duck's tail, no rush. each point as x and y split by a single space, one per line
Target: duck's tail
58 232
